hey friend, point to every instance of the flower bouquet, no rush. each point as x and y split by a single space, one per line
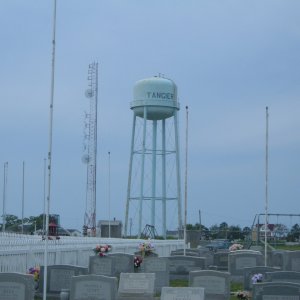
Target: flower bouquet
146 248
35 271
137 261
100 250
257 278
235 247
243 295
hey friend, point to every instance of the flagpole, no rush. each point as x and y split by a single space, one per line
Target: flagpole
49 153
266 183
185 181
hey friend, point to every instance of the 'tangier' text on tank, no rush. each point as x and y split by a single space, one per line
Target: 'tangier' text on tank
159 95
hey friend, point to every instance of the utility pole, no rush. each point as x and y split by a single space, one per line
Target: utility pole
200 224
4 195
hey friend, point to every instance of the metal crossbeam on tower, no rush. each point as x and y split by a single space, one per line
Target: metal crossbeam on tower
90 151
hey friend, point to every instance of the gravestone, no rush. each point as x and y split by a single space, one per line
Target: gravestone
16 286
220 260
181 265
257 248
102 265
96 287
238 260
249 272
215 283
278 259
136 286
58 278
276 291
283 276
209 255
124 263
182 293
160 267
188 252
292 261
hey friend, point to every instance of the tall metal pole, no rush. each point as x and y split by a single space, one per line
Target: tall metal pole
185 180
266 184
49 152
109 194
44 197
5 171
200 225
23 189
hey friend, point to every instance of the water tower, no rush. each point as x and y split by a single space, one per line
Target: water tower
154 167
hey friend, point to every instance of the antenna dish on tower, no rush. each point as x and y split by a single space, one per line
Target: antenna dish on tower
89 93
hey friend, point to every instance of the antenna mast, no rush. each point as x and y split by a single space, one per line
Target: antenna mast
90 151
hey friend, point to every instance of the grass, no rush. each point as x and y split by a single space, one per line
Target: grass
287 247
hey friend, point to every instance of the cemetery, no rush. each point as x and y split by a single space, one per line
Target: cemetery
166 270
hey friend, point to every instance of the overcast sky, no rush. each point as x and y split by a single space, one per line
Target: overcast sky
229 59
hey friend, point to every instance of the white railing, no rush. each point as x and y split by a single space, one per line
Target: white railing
19 252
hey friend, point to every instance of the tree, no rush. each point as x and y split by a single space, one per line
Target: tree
234 232
294 233
223 230
214 231
246 233
12 222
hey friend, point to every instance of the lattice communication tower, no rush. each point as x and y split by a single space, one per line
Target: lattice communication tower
90 151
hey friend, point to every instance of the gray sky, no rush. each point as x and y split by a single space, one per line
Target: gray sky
229 59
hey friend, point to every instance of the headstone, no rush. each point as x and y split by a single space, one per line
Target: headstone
249 272
293 261
137 286
59 277
276 291
220 260
238 260
188 252
102 265
257 248
124 263
16 286
181 265
182 293
215 283
283 276
160 267
278 259
198 252
96 287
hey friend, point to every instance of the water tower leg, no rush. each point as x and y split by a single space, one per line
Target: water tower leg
129 176
164 189
142 173
154 137
178 171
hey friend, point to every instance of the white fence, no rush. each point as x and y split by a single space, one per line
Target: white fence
19 252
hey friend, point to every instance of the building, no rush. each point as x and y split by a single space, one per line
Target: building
106 228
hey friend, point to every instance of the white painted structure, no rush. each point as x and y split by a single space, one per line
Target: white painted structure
154 170
19 252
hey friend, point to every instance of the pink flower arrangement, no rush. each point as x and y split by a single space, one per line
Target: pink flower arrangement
137 261
100 250
235 247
